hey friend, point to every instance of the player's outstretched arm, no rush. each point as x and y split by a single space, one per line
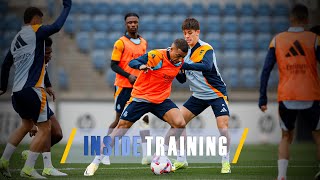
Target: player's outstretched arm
181 76
138 62
204 65
47 30
5 72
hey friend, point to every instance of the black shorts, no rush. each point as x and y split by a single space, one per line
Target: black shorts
288 117
121 97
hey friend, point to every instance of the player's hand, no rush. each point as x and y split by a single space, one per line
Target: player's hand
263 108
51 93
33 131
145 68
67 3
132 78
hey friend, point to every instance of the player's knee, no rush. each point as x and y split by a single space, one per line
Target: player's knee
180 124
287 136
56 137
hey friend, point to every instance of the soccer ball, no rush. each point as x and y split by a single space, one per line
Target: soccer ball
161 165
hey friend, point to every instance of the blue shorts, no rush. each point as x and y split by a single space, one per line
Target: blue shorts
289 116
196 106
135 110
121 97
31 103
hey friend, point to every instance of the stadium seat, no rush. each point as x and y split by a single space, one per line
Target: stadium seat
63 79
247 9
99 60
248 78
116 23
213 24
177 19
280 24
281 9
248 59
247 24
119 9
165 24
148 35
87 8
102 8
85 23
147 23
152 44
135 7
100 41
198 9
263 41
230 24
8 37
260 57
163 39
149 8
214 9
76 8
263 24
165 9
101 23
214 39
113 37
83 41
12 22
70 26
110 76
180 8
247 41
264 9
230 9
231 59
231 77
230 41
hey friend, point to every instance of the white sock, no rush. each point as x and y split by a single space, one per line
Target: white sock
144 149
181 158
8 151
226 158
97 159
282 168
166 147
32 157
47 160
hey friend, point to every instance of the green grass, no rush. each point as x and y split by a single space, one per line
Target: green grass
255 162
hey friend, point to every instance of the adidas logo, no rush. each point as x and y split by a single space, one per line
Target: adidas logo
19 43
223 109
293 50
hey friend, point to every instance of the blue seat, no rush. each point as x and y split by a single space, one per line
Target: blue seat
165 24
113 37
263 24
70 26
213 24
231 59
214 39
231 77
116 23
248 78
260 57
230 41
263 41
83 41
119 9
76 8
99 60
100 41
147 35
198 9
230 24
165 9
87 8
247 24
101 23
180 8
248 59
8 37
280 24
85 23
177 19
12 22
230 9
63 79
281 9
152 44
148 25
264 9
247 41
214 9
110 77
163 39
135 7
102 8
247 9
149 8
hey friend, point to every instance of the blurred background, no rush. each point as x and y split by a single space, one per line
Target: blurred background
239 31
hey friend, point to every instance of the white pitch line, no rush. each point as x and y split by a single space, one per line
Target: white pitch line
196 167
